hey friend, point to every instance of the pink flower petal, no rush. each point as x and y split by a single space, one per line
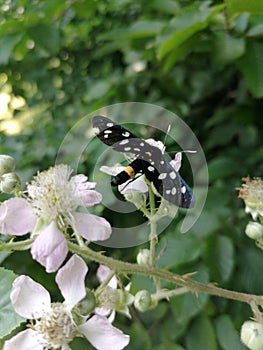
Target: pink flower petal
26 340
29 298
71 280
102 335
90 198
176 162
92 227
81 181
50 247
103 272
112 170
16 217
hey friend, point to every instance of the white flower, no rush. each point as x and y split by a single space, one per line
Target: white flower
56 197
52 324
112 299
16 217
252 194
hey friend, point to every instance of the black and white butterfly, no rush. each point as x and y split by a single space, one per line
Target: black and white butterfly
149 161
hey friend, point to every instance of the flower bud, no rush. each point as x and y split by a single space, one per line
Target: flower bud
143 257
9 182
254 230
7 164
252 335
115 299
137 198
252 193
143 300
88 304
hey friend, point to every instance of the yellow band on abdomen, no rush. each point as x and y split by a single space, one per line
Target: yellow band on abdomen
130 171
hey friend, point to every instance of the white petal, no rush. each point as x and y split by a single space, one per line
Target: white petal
111 170
90 198
92 227
138 185
103 272
102 335
29 298
102 311
70 279
50 247
16 217
157 144
26 340
176 162
81 180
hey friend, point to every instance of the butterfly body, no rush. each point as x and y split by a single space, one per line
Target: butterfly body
150 161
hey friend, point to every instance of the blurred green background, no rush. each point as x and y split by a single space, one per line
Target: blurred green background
203 60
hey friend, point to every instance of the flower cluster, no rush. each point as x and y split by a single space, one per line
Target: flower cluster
252 194
56 203
54 325
9 180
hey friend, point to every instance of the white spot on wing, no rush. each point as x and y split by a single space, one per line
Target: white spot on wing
174 190
107 131
172 175
123 142
127 149
150 168
126 134
183 189
162 176
109 124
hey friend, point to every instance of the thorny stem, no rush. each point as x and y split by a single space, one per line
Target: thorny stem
131 268
183 281
10 246
166 294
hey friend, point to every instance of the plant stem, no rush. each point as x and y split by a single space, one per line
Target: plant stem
10 246
152 235
184 281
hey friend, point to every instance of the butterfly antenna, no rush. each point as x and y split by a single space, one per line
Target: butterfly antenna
166 135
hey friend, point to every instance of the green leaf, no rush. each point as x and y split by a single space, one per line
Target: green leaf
139 29
201 335
9 319
256 31
164 6
227 335
220 167
251 66
235 7
7 44
226 48
179 53
46 36
220 249
250 276
185 307
206 223
179 250
168 345
193 21
140 336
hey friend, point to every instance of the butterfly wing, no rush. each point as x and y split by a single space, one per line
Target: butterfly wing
110 133
150 161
